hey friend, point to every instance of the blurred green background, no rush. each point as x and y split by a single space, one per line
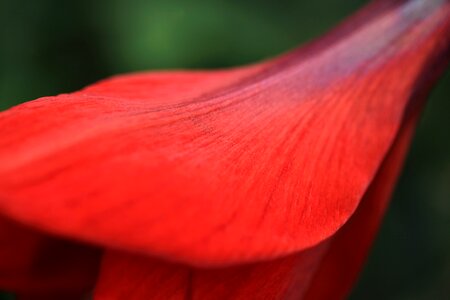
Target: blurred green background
52 46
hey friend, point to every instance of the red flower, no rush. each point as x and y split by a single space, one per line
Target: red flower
262 182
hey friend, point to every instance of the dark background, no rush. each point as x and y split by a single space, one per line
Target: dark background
53 46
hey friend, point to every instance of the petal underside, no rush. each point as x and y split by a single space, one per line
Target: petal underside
33 263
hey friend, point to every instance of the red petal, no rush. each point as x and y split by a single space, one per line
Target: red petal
326 271
133 277
52 296
237 170
31 262
349 247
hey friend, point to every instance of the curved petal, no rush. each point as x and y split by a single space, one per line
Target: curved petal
31 262
267 161
350 245
315 273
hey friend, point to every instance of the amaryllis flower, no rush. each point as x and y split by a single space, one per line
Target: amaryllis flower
261 182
